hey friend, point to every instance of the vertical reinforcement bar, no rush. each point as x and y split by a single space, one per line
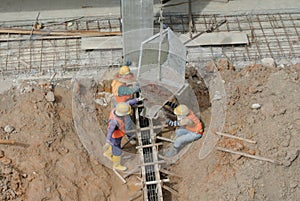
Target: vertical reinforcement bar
272 22
240 29
265 37
253 38
292 52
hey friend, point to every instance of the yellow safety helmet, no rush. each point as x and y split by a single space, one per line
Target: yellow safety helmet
123 109
181 110
124 70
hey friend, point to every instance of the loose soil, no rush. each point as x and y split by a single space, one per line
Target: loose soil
48 161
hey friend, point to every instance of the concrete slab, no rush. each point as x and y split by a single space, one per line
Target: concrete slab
46 5
233 6
219 38
27 10
103 43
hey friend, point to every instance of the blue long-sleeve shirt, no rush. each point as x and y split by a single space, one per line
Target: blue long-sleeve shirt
125 90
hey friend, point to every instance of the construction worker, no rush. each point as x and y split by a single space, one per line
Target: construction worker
116 131
120 85
123 92
189 128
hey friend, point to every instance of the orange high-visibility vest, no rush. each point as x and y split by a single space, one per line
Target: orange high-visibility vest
115 88
120 130
197 128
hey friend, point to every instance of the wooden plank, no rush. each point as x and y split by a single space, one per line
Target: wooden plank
168 173
89 43
245 154
164 139
149 145
157 181
235 137
7 142
218 38
38 38
152 163
119 176
136 195
59 33
131 172
171 190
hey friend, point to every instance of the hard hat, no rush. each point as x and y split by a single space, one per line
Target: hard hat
181 110
123 109
124 70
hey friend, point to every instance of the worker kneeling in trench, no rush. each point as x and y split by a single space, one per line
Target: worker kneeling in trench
189 128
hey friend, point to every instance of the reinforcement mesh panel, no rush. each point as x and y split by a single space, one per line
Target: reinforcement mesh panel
218 96
137 26
161 69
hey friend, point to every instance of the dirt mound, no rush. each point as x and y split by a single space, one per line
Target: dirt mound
274 125
48 162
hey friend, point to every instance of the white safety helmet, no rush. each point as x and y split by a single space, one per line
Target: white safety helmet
181 110
123 109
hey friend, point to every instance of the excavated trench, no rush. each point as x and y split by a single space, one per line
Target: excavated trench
151 176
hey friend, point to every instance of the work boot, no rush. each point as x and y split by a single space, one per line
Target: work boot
116 163
171 152
108 153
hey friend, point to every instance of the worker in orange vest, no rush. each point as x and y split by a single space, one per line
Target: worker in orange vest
123 90
116 131
189 128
